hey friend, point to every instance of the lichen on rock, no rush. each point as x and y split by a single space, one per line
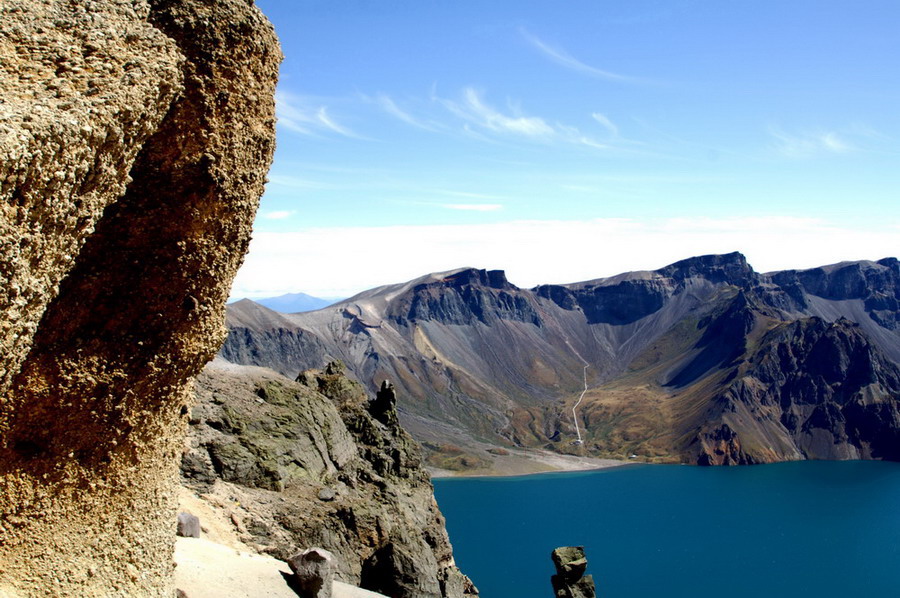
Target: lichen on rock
348 482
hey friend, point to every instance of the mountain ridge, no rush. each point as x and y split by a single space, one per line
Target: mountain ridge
485 361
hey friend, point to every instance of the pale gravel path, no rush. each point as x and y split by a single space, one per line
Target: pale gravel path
209 570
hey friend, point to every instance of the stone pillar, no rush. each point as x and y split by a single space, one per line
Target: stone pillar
570 580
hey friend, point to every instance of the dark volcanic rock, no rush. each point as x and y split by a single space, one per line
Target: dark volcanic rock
623 303
314 570
384 406
265 338
468 296
825 390
730 268
724 340
570 580
394 571
877 284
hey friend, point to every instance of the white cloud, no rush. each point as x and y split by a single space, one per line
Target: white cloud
290 115
566 60
474 109
535 252
323 117
467 194
306 117
390 106
277 214
473 207
809 144
834 143
608 124
486 123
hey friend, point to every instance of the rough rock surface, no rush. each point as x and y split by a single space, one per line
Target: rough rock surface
570 580
188 525
134 140
268 449
314 570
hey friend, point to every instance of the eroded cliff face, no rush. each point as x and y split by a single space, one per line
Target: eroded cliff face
809 390
134 141
317 463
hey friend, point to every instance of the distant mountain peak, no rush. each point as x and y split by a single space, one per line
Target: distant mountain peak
727 267
494 279
296 302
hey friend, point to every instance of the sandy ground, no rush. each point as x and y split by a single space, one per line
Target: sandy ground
531 461
215 519
206 569
219 565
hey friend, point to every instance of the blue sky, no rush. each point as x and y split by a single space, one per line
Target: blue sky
564 141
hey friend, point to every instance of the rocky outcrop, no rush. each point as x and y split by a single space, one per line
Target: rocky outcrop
570 580
466 297
317 463
261 336
135 136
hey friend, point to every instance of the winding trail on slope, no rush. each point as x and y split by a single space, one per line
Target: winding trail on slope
580 398
574 407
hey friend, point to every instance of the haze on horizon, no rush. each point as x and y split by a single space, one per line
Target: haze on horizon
569 142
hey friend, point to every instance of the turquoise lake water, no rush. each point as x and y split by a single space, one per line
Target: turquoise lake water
813 528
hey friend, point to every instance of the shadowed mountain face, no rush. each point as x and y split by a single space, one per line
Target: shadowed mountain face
479 360
812 389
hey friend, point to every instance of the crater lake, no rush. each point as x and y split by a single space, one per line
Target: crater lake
810 528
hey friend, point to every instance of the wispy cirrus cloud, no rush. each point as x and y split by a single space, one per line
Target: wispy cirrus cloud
475 110
607 124
473 207
807 145
563 58
328 122
307 117
484 121
389 105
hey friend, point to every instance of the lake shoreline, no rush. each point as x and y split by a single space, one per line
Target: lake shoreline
530 463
